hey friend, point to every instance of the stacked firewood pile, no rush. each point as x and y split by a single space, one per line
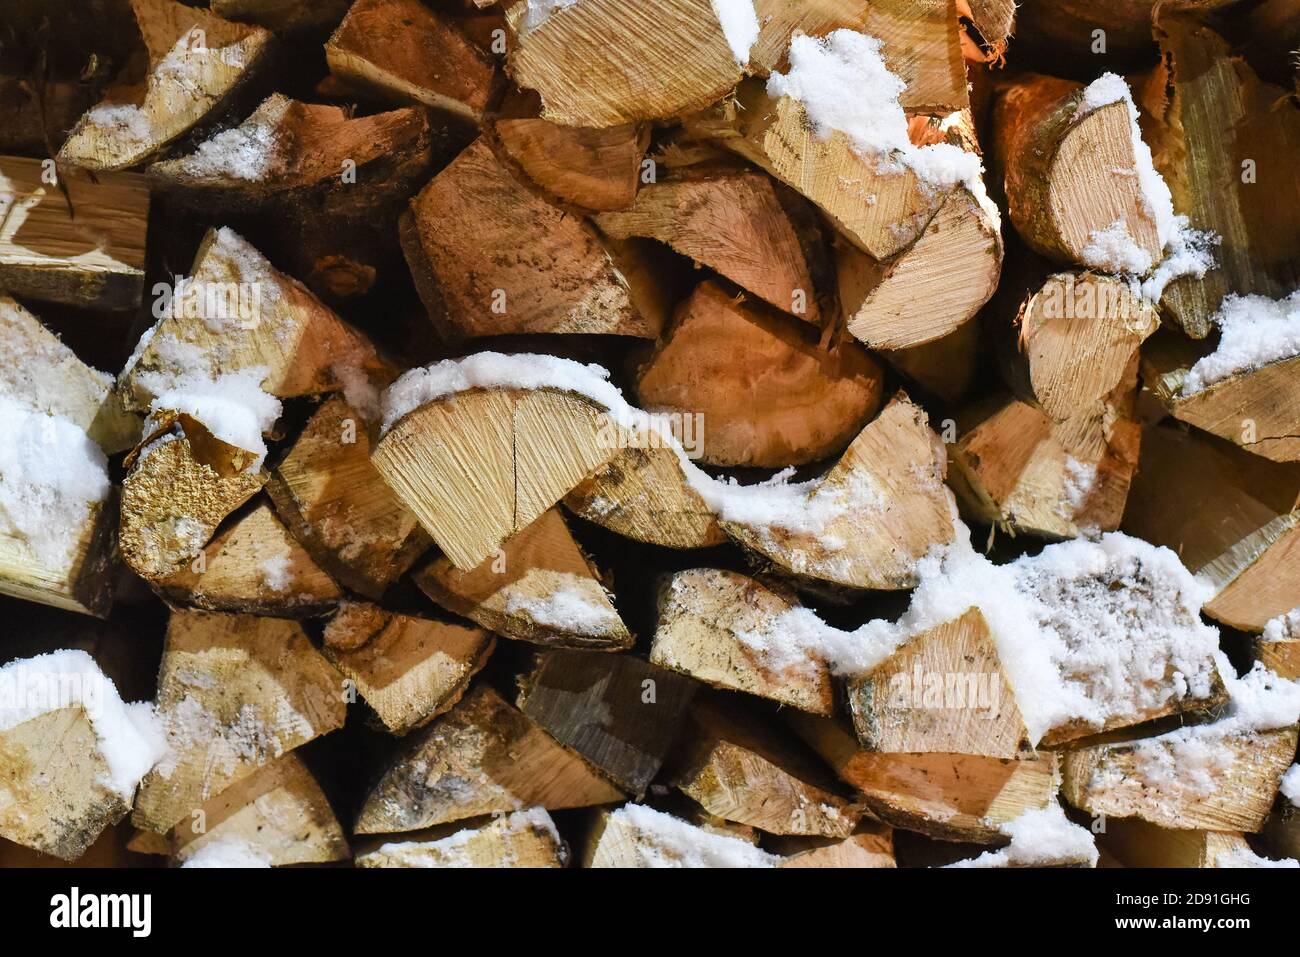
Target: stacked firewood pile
778 433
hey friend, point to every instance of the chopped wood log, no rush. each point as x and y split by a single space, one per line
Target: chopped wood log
277 815
48 375
871 845
526 267
254 567
951 797
733 221
1078 333
591 169
1136 843
1258 409
525 450
181 484
930 289
1147 779
287 145
1068 170
882 213
482 757
283 16
196 61
239 313
642 494
639 836
769 395
1231 516
521 839
705 615
53 795
90 253
1015 468
1207 114
604 62
884 507
743 773
235 692
618 712
409 669
945 691
335 503
995 21
405 52
541 587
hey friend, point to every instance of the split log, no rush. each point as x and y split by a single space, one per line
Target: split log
1077 335
882 213
705 615
335 503
995 20
930 289
409 669
1231 516
944 691
946 367
639 836
46 374
883 503
769 395
235 692
53 795
747 774
525 449
1146 779
1223 141
254 567
405 52
1135 843
1068 172
951 797
526 267
871 845
181 484
278 814
521 839
1258 409
482 757
604 62
89 254
283 16
734 221
540 587
1013 467
1280 655
196 61
238 312
591 169
618 712
642 494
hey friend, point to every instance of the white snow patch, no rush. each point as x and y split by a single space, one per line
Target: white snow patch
1245 857
1114 250
129 735
1040 838
661 840
568 607
1255 331
274 572
1290 787
51 476
228 851
537 11
233 406
243 152
739 25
